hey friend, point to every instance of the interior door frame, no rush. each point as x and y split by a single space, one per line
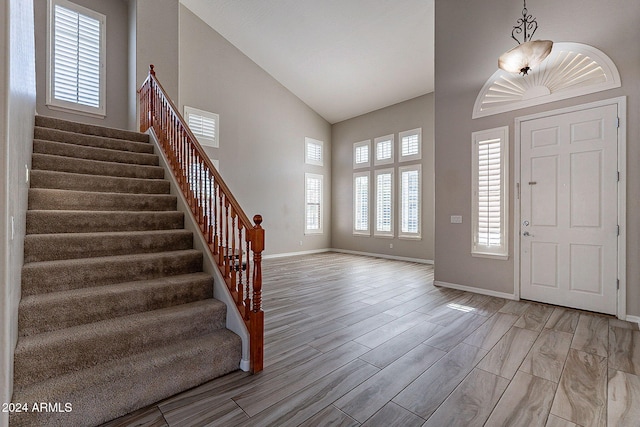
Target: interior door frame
621 103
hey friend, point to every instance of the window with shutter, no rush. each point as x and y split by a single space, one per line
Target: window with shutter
490 204
361 203
313 203
384 150
204 125
76 51
410 145
410 182
313 151
361 154
384 202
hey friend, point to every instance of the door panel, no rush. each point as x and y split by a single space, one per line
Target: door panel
568 205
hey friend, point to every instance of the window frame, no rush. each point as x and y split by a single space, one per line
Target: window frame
202 139
500 135
402 234
377 232
409 157
385 161
361 232
308 159
320 230
357 145
58 104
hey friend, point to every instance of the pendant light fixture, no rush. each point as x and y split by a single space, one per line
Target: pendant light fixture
529 53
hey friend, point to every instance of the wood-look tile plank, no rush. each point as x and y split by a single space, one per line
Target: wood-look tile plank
535 317
563 320
471 402
455 332
145 417
330 416
392 415
312 399
371 396
526 402
392 329
547 356
554 421
507 355
515 307
203 413
624 350
341 336
488 335
592 335
623 399
582 392
617 323
429 390
397 347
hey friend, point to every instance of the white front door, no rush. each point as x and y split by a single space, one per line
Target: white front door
568 209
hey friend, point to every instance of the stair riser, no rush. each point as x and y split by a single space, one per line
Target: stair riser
46 199
41 222
90 153
51 247
65 275
50 122
94 167
48 134
124 386
42 357
50 312
95 183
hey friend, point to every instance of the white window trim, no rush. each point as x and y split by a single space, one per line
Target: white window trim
366 232
376 232
390 160
57 104
418 234
202 139
410 157
477 250
356 145
308 159
306 179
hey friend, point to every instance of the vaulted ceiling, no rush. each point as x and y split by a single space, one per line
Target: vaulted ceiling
343 58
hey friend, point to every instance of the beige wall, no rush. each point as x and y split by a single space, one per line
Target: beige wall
17 109
262 132
117 41
469 38
411 114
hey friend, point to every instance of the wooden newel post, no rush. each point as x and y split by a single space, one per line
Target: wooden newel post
257 315
151 96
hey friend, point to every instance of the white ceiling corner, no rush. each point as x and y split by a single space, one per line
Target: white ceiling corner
343 58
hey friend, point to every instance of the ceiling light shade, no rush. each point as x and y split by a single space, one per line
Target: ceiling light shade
529 53
525 56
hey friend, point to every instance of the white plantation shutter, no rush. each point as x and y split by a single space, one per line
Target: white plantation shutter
384 202
361 154
410 144
313 151
204 126
76 63
490 183
410 201
384 149
313 203
361 203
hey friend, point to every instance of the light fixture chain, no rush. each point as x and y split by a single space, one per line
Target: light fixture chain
524 25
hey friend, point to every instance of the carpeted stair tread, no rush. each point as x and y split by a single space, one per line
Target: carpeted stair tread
93 153
56 221
40 357
63 246
97 183
56 199
95 167
57 310
49 134
110 390
55 276
53 123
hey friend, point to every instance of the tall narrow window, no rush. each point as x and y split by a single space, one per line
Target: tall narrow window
410 183
313 151
362 154
490 183
313 203
204 125
76 51
384 202
361 203
384 150
410 145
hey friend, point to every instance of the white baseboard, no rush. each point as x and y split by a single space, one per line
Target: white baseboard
476 290
633 319
286 254
397 258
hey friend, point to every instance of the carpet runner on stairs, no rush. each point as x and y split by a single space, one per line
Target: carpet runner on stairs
116 312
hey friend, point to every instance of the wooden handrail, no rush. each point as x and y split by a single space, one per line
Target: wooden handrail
231 237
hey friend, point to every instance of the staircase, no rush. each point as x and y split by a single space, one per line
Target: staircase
116 312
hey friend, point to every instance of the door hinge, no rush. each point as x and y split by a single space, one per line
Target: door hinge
617 122
618 230
617 283
618 176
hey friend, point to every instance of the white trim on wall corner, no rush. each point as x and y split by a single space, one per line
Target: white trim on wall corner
393 257
630 318
476 290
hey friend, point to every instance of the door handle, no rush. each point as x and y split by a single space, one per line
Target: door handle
526 233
